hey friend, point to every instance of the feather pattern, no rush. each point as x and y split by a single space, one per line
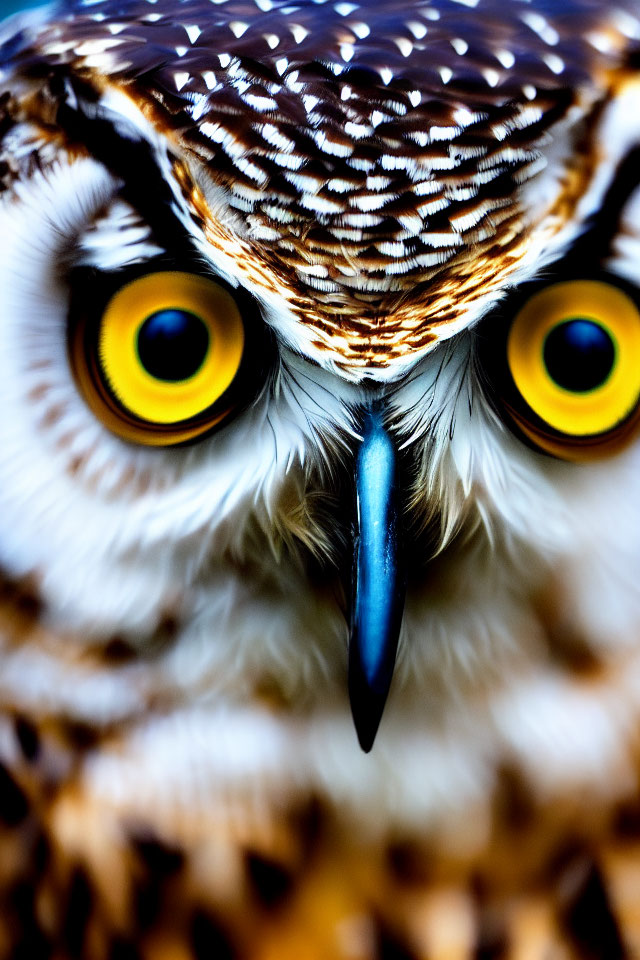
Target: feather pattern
376 184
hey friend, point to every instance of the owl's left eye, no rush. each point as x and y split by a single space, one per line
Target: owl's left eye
158 366
573 358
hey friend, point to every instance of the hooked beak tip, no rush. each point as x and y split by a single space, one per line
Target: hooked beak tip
367 707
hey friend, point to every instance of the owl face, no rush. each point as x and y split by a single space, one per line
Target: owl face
320 326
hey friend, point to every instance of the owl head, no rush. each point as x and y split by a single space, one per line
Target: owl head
319 340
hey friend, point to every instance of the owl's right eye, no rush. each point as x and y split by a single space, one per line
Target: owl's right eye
160 365
572 369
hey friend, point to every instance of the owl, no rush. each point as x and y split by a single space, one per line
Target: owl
320 480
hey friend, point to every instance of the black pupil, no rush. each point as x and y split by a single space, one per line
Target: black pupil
579 355
172 344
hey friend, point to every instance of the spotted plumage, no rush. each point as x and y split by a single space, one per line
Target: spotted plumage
379 188
362 152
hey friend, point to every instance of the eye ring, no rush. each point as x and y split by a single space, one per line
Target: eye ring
578 414
153 399
155 406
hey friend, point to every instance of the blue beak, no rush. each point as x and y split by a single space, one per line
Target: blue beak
378 580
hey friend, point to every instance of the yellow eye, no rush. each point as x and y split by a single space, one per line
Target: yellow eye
168 348
574 355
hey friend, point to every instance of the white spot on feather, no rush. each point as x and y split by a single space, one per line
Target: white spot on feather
628 25
601 41
346 51
506 58
361 30
238 28
404 45
418 29
460 46
344 9
181 78
92 47
299 32
193 31
537 23
554 62
491 76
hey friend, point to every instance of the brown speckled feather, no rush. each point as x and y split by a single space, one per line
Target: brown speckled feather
374 155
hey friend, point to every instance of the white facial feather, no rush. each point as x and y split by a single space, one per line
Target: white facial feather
118 238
